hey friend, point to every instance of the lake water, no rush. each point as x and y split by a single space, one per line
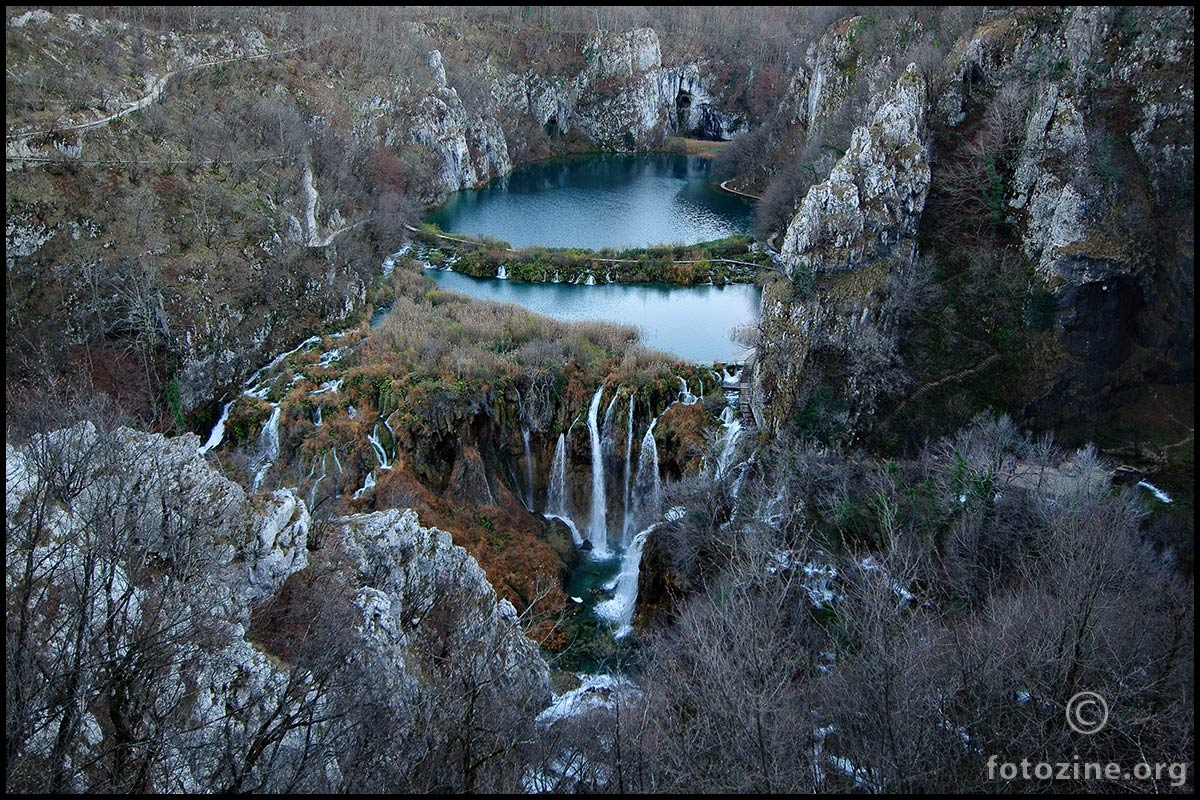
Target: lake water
693 323
616 201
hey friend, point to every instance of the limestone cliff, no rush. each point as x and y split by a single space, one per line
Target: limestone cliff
1052 147
173 606
874 196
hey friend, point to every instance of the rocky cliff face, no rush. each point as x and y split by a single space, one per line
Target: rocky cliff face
874 196
1064 134
624 98
174 608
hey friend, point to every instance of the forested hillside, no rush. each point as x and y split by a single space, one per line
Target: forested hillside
285 515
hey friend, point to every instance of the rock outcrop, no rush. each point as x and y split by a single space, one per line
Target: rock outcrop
874 196
168 602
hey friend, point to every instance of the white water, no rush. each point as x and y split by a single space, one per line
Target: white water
576 536
250 389
597 529
377 446
647 487
733 431
685 397
626 525
528 470
618 610
502 273
268 448
218 431
368 485
1158 493
556 489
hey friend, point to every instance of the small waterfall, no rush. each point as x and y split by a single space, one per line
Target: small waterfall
268 448
685 397
557 278
377 446
618 610
626 521
606 432
317 417
528 470
367 486
647 487
218 431
591 280
598 527
502 273
312 492
556 490
1158 493
733 431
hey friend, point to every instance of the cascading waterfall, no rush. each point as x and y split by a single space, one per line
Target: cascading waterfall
618 610
268 448
597 530
502 273
528 469
685 397
647 487
312 492
626 525
606 428
556 490
377 446
733 431
218 431
368 485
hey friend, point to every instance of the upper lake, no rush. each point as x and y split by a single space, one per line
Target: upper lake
615 201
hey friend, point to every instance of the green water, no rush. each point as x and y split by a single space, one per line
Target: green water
599 201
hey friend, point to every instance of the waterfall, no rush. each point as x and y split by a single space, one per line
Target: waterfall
218 431
733 431
528 469
606 432
317 417
268 448
502 273
312 492
647 487
377 446
598 527
626 527
556 490
368 485
591 280
618 610
685 397
1158 493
